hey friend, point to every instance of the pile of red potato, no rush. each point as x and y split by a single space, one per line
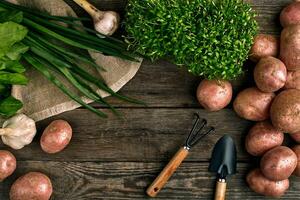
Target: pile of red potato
274 103
36 185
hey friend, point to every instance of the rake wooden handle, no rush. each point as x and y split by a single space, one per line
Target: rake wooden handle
167 172
220 193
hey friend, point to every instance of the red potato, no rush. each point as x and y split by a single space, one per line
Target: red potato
31 186
264 45
270 74
296 137
296 149
290 15
263 137
278 163
285 111
253 104
56 136
8 164
293 80
214 95
290 47
261 185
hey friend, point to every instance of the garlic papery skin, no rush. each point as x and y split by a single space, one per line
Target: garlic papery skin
18 131
105 22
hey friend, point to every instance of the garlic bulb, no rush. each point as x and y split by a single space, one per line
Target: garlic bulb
18 131
105 22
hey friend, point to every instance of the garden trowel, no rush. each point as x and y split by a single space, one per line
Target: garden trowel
223 162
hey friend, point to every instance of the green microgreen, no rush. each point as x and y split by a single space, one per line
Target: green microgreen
211 38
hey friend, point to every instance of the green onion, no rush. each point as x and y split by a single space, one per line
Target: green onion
50 58
40 67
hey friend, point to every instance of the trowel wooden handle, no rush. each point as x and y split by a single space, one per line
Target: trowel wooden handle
220 190
167 172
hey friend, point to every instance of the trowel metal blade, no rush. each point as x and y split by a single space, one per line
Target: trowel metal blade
223 160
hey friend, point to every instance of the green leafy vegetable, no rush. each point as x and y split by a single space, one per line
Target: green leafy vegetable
16 51
11 49
11 65
10 106
211 37
12 78
54 50
10 33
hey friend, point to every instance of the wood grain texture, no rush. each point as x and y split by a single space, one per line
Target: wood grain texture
144 135
119 158
128 180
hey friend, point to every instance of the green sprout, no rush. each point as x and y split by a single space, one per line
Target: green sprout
211 38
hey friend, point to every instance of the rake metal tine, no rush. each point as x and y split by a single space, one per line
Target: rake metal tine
200 136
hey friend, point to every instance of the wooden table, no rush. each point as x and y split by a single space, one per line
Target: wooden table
117 159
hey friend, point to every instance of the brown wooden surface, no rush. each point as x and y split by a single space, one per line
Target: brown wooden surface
119 158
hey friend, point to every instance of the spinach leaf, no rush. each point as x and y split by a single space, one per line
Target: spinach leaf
10 33
3 89
11 65
12 78
16 51
10 106
14 16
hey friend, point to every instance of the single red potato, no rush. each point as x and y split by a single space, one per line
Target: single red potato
270 74
214 95
263 46
290 47
263 137
296 149
278 163
56 136
290 15
261 185
293 80
8 164
296 137
285 111
253 104
31 186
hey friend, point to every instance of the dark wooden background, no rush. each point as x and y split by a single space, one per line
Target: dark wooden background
118 158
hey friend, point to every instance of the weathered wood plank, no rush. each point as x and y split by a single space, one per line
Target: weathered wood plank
129 180
143 135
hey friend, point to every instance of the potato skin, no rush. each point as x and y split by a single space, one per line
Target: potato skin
270 74
296 137
56 136
278 163
293 80
290 15
264 45
214 95
263 137
285 111
296 149
253 104
261 185
8 164
290 47
33 185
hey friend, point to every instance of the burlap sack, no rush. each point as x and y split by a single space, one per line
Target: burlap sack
41 98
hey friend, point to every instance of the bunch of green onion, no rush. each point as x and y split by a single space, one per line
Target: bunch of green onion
49 58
